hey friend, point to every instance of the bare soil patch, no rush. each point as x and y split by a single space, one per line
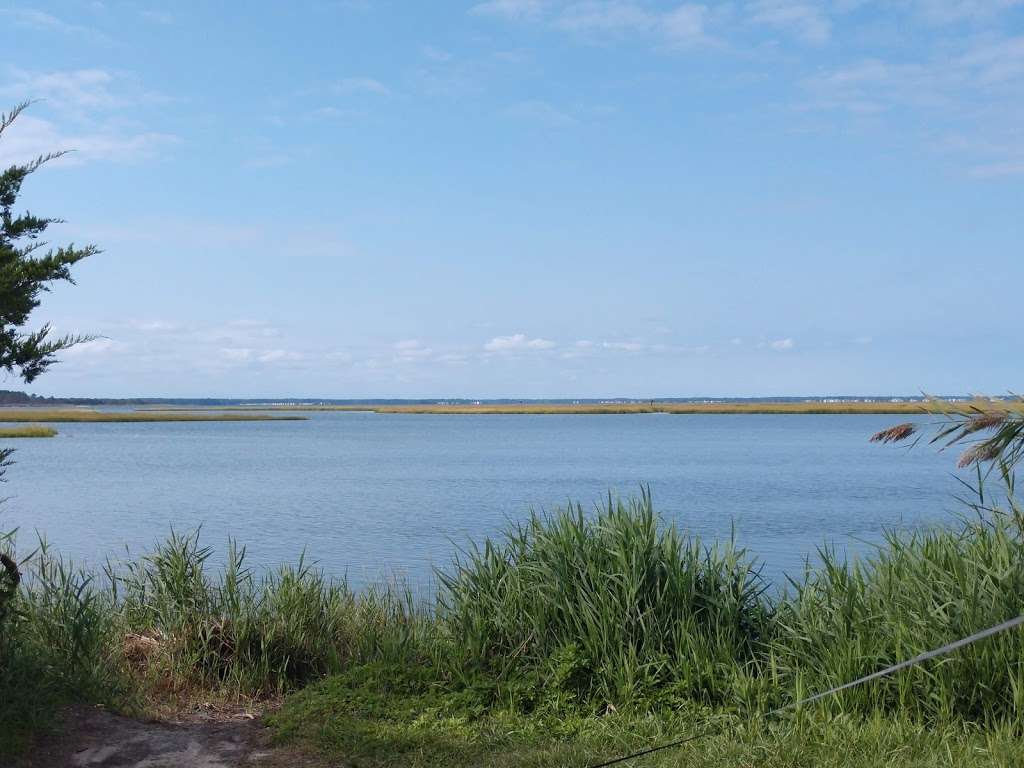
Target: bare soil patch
89 737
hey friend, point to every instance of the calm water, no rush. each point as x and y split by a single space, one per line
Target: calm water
373 494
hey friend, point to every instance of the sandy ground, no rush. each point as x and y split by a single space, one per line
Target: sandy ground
95 738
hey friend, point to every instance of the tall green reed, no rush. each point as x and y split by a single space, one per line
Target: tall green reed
608 608
915 592
257 634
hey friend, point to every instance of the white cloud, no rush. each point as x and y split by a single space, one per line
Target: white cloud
686 25
961 103
40 21
680 27
517 342
370 85
157 17
781 345
338 115
80 88
31 136
624 346
806 21
606 16
279 356
435 54
541 112
271 160
510 9
155 326
94 348
412 350
956 11
79 93
998 170
81 111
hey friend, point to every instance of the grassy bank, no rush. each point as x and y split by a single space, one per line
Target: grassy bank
574 636
384 716
33 430
88 415
765 407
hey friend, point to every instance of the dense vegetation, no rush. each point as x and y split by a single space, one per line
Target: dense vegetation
27 271
29 430
572 635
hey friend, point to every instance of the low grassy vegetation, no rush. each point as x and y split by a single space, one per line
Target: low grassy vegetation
653 406
576 636
32 430
89 415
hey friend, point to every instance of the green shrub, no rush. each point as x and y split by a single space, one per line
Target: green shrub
607 609
916 592
256 635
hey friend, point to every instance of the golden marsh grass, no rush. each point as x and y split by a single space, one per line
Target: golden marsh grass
31 430
611 408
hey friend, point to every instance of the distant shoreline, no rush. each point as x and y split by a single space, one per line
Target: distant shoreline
68 414
608 408
264 411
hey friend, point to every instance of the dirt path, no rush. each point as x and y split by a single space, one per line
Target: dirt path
94 738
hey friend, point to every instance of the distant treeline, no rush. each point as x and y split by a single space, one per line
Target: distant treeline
15 397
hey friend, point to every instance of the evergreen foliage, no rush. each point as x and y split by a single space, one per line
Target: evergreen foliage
26 272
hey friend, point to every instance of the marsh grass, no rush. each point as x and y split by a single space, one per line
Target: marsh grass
579 617
256 635
168 629
32 430
606 610
916 591
809 407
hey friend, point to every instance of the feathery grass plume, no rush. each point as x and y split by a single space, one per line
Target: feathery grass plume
963 420
894 434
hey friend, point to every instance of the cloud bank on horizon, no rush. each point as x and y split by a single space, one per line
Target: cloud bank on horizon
529 198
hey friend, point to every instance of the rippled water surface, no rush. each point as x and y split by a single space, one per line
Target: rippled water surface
372 494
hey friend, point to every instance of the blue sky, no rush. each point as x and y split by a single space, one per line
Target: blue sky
529 198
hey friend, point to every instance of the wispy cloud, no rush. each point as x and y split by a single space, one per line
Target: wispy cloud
435 54
349 85
41 21
157 16
510 9
999 170
77 91
90 111
963 102
956 11
683 26
542 113
517 342
805 21
31 136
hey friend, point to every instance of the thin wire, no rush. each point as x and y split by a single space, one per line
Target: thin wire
922 657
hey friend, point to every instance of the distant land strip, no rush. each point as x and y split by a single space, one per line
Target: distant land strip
914 407
67 415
